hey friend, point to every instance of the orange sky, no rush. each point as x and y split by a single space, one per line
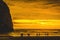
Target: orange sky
28 14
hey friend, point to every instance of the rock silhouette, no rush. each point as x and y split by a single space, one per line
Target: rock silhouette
6 24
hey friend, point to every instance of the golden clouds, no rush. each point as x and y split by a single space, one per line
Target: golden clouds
35 10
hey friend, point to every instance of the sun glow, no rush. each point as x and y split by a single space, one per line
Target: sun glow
41 22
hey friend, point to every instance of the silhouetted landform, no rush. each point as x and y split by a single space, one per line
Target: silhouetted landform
31 38
37 38
6 24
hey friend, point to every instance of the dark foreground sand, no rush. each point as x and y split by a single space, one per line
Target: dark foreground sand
31 38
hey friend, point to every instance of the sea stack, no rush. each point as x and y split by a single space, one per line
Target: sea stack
6 25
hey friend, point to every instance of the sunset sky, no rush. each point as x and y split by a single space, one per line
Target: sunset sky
35 14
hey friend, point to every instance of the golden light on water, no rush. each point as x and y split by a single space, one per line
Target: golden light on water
49 22
36 24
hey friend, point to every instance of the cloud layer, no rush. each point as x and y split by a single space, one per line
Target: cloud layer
35 9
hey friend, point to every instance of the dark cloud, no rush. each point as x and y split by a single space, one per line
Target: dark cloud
50 1
45 2
56 2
